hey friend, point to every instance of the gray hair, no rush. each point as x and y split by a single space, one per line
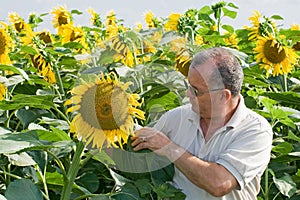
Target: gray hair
227 72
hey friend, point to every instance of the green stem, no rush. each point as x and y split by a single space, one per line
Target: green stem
60 84
10 174
284 83
266 184
72 172
61 166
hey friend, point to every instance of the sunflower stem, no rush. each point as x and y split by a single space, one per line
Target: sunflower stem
72 172
60 84
284 82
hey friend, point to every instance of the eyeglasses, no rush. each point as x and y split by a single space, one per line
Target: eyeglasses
195 92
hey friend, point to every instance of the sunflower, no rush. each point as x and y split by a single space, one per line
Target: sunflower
275 57
72 33
3 90
124 53
61 17
112 28
258 28
18 23
199 40
182 61
44 68
172 22
231 40
296 46
103 111
149 19
6 44
95 19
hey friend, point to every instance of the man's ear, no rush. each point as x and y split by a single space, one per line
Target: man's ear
226 95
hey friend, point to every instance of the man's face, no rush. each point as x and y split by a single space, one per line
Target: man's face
206 101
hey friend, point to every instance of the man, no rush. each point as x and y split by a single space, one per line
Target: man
219 147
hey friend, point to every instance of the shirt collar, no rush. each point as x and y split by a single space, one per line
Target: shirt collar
237 117
239 114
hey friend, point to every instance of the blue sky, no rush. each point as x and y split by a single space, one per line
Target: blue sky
132 11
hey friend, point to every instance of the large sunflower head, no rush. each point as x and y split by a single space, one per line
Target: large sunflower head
6 44
274 56
103 111
61 17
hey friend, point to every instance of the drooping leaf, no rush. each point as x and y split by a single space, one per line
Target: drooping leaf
285 185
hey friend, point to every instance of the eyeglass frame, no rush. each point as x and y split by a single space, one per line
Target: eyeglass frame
195 92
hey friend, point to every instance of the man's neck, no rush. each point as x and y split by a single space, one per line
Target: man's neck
210 125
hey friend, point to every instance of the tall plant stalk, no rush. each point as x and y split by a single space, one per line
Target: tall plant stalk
72 172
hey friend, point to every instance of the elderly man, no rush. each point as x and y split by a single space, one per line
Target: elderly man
219 147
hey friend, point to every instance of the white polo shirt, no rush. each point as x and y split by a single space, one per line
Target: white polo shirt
242 146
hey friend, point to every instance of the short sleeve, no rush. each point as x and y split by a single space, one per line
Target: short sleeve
248 155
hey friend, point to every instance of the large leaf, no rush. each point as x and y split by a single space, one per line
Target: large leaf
23 100
54 136
14 69
128 192
26 116
14 142
286 98
22 159
23 189
89 181
285 185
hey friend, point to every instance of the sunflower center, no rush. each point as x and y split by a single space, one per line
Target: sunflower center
272 53
111 106
2 43
45 37
19 26
62 19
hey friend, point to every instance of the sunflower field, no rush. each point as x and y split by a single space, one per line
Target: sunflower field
71 96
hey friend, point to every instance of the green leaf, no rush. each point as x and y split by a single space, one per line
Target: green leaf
128 192
283 148
100 197
229 13
54 178
277 17
144 186
89 181
22 159
76 12
23 189
28 50
228 28
106 56
53 136
168 37
14 69
285 185
28 116
292 136
73 45
34 101
289 98
102 157
14 142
